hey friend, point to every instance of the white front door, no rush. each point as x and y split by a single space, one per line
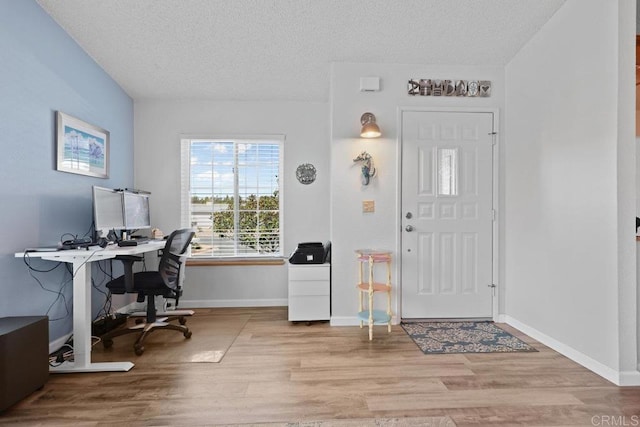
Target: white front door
447 214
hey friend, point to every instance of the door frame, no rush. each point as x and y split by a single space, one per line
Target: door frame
495 196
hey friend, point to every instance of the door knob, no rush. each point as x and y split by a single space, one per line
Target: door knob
409 228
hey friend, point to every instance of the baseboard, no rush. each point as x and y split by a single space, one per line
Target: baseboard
185 304
354 321
275 302
628 378
56 344
344 321
132 307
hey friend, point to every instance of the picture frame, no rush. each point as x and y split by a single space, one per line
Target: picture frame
82 148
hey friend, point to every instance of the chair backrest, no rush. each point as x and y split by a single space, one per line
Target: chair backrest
173 257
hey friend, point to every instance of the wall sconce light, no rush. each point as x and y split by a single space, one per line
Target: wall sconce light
369 127
368 171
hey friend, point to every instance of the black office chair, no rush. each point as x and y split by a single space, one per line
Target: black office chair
147 284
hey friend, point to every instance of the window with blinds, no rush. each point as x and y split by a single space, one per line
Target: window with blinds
231 196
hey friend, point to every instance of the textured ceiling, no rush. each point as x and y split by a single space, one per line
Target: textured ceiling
282 49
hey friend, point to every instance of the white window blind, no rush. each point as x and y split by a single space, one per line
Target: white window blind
231 196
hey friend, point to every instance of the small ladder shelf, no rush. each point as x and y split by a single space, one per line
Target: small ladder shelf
367 286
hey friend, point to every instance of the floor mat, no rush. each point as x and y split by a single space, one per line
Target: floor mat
463 337
163 346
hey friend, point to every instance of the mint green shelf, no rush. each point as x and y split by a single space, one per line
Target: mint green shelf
379 316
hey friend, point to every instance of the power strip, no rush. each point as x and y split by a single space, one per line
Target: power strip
108 323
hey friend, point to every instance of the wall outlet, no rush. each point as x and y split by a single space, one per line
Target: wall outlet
368 206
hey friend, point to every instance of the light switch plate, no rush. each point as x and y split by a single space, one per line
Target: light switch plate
368 206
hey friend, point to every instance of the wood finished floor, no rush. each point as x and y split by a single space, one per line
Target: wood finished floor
276 371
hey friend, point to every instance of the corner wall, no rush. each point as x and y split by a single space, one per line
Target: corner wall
569 189
42 71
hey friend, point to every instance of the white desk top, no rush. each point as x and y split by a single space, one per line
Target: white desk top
94 252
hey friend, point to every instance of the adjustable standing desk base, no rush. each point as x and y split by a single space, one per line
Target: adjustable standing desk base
80 261
68 367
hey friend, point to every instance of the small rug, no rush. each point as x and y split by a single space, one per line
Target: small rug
463 337
361 422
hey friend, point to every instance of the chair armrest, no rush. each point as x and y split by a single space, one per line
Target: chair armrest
127 262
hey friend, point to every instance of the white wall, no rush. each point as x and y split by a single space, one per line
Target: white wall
158 126
570 189
350 228
628 297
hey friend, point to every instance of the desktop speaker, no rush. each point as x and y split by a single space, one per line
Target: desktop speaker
24 357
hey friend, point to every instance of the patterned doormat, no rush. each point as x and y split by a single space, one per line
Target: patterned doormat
463 337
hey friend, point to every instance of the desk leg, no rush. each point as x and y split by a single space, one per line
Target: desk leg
82 326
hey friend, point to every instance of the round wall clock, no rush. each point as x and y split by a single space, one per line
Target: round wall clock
306 173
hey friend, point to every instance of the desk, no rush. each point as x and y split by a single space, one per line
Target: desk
81 260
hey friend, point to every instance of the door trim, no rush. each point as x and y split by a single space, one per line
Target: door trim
495 202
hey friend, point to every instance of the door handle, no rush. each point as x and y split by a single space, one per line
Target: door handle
409 228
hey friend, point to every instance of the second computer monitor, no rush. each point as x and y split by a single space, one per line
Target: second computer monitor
136 210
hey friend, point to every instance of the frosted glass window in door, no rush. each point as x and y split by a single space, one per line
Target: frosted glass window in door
447 171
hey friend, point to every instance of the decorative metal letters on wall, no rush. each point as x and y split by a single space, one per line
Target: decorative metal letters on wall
436 87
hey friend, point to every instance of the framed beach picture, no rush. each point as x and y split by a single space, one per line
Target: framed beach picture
82 148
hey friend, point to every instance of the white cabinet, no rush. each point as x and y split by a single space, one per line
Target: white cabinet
309 292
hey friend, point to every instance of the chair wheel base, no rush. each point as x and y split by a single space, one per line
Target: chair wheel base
187 334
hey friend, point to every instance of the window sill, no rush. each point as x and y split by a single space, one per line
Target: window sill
206 262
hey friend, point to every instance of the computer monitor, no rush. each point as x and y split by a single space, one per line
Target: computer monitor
136 210
108 210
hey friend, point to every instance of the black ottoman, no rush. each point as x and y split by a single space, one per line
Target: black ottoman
24 357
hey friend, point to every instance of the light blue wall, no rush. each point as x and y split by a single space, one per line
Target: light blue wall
42 70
